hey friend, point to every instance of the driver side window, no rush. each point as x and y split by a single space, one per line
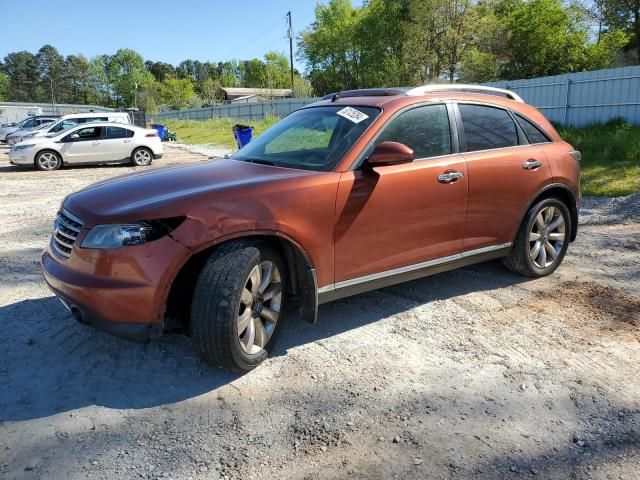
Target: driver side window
423 129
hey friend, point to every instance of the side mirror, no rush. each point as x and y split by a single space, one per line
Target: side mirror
74 136
390 153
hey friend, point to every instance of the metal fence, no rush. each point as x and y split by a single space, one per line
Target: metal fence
240 111
59 108
583 98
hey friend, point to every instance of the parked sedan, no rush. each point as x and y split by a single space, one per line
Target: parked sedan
99 142
20 135
28 122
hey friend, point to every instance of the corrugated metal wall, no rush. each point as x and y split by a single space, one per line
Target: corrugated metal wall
240 111
583 98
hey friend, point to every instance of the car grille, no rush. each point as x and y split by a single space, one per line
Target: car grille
65 230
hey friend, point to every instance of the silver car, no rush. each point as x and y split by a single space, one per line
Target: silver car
29 122
18 136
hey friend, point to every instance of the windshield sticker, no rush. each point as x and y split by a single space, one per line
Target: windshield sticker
356 116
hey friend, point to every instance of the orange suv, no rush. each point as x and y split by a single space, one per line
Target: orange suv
361 190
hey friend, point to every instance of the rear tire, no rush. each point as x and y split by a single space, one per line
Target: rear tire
542 240
238 305
142 157
48 160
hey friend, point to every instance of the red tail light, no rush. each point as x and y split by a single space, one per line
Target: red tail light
152 134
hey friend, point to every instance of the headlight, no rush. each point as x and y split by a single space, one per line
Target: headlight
22 147
117 236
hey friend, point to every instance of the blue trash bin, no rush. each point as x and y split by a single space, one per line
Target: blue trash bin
161 129
243 134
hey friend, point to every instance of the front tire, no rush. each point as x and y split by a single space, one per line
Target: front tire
542 239
238 305
142 157
48 160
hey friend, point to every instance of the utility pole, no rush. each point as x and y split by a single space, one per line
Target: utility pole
53 101
290 35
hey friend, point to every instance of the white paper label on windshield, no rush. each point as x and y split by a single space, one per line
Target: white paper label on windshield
356 116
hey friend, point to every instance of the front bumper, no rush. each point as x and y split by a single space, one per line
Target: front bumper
121 291
20 157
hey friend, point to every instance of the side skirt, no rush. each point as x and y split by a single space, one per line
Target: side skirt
375 281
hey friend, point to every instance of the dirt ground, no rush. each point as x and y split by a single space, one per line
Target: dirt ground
475 373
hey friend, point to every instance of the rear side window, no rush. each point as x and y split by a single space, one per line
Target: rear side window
423 129
533 133
487 127
117 132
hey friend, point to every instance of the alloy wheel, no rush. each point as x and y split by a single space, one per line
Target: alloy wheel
547 237
48 161
142 157
259 309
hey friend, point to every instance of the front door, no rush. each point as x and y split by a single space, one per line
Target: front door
83 145
399 216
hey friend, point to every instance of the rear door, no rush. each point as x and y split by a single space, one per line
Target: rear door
505 172
116 143
399 216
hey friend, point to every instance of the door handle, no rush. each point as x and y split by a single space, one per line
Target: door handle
531 164
96 142
450 177
127 141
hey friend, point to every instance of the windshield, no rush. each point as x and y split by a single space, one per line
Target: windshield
311 139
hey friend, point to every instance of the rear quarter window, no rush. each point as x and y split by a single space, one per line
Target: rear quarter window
534 133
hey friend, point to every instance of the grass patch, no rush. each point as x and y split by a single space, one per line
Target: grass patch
610 157
215 130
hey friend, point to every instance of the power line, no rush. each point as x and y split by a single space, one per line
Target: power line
246 44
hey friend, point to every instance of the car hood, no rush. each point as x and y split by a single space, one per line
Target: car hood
166 192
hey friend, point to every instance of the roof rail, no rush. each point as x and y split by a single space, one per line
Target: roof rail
457 87
365 92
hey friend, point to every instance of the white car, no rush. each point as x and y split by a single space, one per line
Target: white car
94 143
67 121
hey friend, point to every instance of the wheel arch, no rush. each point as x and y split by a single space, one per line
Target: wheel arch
564 193
42 150
300 270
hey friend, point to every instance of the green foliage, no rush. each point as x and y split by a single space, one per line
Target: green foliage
128 74
610 163
4 85
215 131
178 92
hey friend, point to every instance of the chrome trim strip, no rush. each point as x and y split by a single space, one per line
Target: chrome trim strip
66 235
410 268
57 249
71 216
68 225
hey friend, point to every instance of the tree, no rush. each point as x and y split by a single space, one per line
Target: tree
4 85
330 48
277 73
22 70
252 73
160 70
623 15
302 87
178 92
126 68
78 70
53 84
210 92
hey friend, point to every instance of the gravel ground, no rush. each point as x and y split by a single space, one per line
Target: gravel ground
475 373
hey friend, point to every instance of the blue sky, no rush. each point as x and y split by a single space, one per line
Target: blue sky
160 30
